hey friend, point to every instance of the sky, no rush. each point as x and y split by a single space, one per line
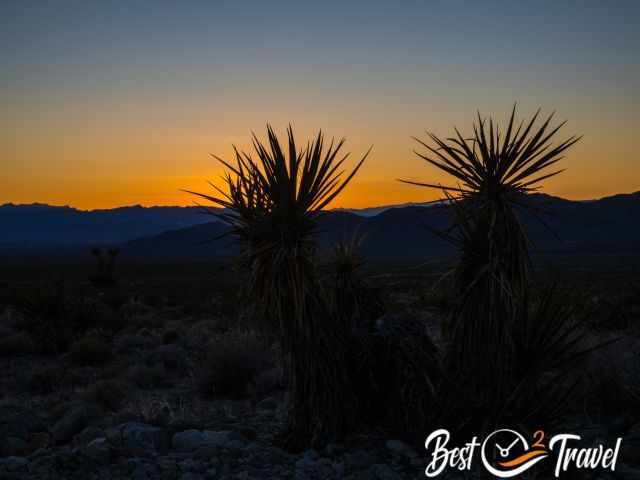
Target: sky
117 103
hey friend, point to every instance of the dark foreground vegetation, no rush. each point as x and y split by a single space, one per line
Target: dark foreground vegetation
168 349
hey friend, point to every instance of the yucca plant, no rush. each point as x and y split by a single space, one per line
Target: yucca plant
350 294
495 170
272 204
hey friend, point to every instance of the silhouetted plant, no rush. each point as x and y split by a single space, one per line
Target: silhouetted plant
398 375
232 364
106 260
48 315
496 169
109 394
350 295
272 205
90 350
16 344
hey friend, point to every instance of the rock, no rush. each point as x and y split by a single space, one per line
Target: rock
206 453
139 473
15 446
13 464
400 448
191 476
39 440
74 421
258 455
172 357
267 404
141 469
248 433
114 435
187 465
98 450
88 434
136 435
212 472
382 472
359 459
130 343
333 449
309 458
625 472
190 440
17 422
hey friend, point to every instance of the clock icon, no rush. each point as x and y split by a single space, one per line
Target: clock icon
506 453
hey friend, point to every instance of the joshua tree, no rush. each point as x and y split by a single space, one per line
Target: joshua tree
495 170
97 252
111 262
272 205
106 264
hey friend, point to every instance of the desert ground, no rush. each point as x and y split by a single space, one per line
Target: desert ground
164 374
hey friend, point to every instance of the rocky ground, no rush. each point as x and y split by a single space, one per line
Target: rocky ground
139 450
134 396
135 404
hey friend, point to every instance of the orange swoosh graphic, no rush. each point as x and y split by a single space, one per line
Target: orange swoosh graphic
522 458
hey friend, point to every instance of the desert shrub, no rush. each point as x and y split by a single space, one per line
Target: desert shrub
46 315
54 315
268 381
45 381
611 386
90 350
129 343
397 371
170 336
154 410
172 357
16 344
148 377
135 307
109 394
199 334
232 364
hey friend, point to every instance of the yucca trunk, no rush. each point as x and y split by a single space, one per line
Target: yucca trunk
323 400
322 405
491 282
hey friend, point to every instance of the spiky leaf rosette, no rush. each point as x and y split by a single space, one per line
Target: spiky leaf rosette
272 204
495 169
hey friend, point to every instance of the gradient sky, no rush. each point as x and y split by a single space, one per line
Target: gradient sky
120 102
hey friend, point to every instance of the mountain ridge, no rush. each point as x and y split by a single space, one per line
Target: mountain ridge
608 224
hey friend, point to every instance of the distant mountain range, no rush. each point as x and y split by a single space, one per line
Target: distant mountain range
40 224
608 225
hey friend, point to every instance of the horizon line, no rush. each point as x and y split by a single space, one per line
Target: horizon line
402 204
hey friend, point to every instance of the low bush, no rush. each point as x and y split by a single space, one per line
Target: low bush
16 344
90 350
45 381
170 336
147 377
108 394
232 364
